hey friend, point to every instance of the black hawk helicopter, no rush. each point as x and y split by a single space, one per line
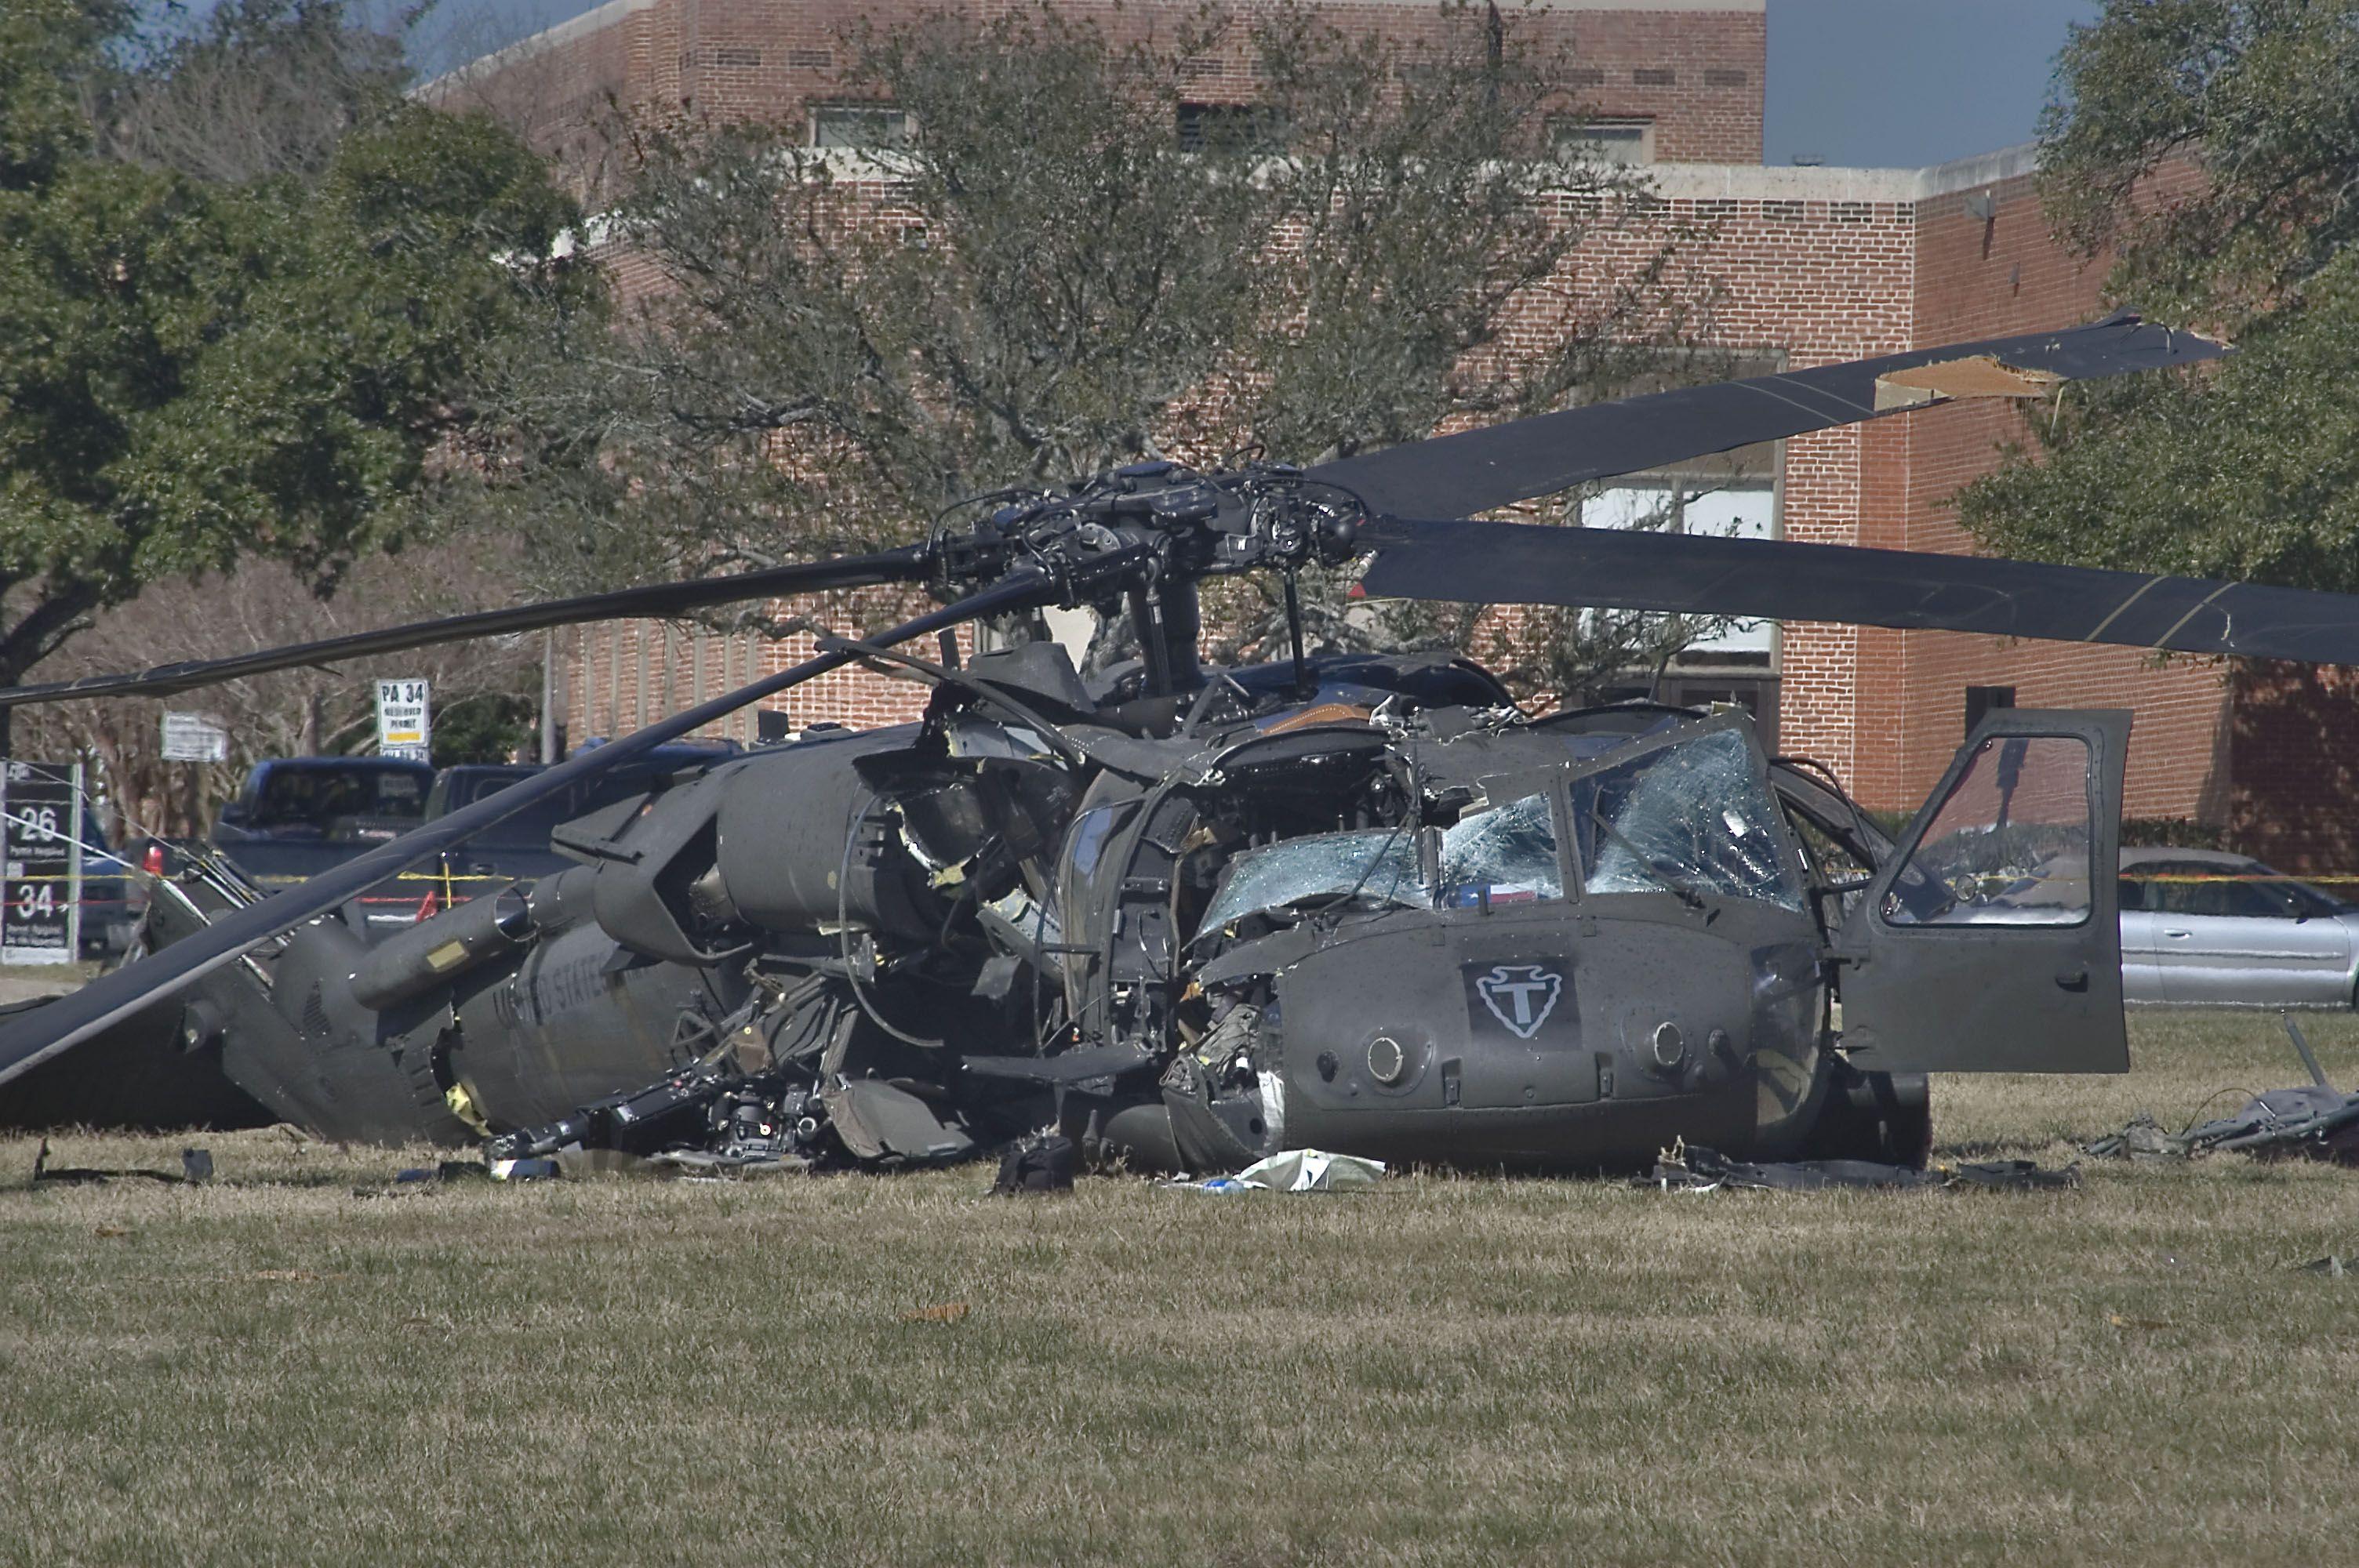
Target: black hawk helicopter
1193 917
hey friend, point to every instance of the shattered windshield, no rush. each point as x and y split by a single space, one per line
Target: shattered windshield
1377 866
1693 818
1506 855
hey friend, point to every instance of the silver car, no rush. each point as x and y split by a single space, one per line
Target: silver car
2203 928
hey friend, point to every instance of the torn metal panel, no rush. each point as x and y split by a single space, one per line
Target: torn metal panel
1976 376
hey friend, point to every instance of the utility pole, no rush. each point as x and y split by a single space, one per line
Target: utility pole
548 696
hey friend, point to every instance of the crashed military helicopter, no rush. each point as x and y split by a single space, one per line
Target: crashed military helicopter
1193 917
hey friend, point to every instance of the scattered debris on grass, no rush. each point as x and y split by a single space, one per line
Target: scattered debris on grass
1033 1165
2316 1121
1685 1168
196 1167
2312 1123
948 1311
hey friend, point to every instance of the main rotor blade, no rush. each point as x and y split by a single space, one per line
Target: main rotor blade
1509 563
60 1025
1450 476
657 600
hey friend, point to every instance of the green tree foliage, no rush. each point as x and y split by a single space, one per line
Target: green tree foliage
2210 145
1050 256
196 370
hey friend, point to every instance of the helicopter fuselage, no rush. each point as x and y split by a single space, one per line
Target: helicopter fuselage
1385 916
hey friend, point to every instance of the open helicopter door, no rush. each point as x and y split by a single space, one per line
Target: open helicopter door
1989 941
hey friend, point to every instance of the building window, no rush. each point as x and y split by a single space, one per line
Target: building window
1230 128
1731 510
859 125
1604 141
1982 699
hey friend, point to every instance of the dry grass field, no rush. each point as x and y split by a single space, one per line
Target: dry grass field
298 1363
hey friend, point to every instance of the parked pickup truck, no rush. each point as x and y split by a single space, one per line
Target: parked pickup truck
296 816
518 848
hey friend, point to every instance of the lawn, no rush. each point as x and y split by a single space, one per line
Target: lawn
300 1362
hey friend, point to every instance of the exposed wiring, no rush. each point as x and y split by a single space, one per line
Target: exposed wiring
844 932
2208 1101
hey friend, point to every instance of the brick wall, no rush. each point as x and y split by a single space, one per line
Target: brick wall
1986 267
1692 67
2293 732
624 675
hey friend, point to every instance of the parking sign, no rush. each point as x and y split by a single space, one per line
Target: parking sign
402 721
41 886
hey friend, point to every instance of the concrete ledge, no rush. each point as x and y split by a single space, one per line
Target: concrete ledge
1761 182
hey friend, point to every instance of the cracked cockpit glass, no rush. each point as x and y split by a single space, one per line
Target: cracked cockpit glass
1372 867
1693 819
1506 855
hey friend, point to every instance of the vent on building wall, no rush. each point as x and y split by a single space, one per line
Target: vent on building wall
859 125
736 55
1586 76
1654 76
1852 212
1781 211
1603 140
811 60
1726 77
1230 127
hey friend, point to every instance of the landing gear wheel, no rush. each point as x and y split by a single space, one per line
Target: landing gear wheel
1883 1117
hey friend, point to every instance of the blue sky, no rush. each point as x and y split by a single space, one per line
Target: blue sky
1901 84
1872 82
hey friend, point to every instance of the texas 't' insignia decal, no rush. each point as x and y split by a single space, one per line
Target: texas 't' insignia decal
1520 996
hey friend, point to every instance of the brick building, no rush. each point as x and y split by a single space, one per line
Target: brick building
1815 264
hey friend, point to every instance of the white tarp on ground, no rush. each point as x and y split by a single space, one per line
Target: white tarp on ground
1311 1170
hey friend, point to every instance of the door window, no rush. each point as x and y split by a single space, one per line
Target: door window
2009 843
